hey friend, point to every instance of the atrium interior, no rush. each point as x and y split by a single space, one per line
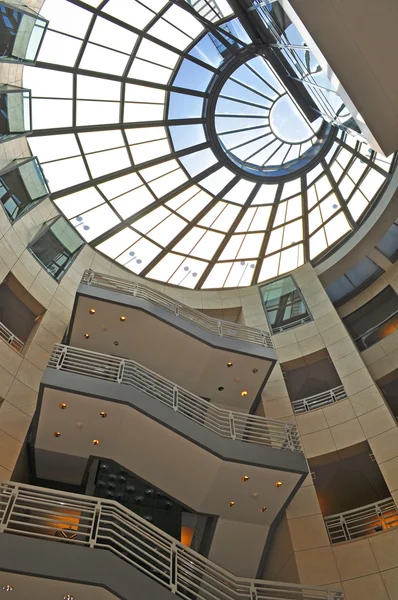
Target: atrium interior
198 299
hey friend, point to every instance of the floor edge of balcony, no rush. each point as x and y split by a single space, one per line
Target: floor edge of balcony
195 331
77 564
225 449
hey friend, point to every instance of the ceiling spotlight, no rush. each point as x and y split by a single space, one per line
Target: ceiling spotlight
244 393
57 434
220 389
263 509
229 364
278 484
86 336
122 319
96 442
231 504
245 478
254 370
116 343
7 588
92 311
62 406
103 414
68 597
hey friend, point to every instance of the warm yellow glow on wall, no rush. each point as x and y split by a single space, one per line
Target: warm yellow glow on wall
186 535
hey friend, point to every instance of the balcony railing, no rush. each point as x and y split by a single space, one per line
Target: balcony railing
287 326
225 329
10 338
319 400
96 523
362 521
225 423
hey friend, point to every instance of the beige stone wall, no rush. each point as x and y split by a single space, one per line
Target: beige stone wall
381 358
356 566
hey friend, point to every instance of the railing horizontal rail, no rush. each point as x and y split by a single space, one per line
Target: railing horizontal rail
10 338
318 400
218 327
136 541
362 521
225 423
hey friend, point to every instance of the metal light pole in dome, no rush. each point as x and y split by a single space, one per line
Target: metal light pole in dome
188 271
245 264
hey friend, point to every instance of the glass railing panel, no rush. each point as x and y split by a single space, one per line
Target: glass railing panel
15 112
21 33
22 185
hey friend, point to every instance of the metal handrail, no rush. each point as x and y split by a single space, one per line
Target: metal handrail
291 325
317 400
219 327
362 521
225 423
105 524
10 338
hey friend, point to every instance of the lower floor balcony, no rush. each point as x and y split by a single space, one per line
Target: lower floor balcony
363 521
76 538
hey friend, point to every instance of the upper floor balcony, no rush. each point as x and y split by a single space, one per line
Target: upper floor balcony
120 551
221 360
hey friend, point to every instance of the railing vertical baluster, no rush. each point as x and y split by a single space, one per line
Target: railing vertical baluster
177 309
253 591
232 425
345 529
95 525
9 508
61 357
219 327
120 372
173 567
175 398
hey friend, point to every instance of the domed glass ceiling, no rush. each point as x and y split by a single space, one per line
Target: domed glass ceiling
174 148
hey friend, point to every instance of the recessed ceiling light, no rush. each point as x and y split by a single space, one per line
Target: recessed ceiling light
96 442
62 406
245 478
92 311
115 343
86 336
103 414
229 364
122 319
231 504
244 393
254 370
68 597
7 588
263 509
220 389
57 434
278 484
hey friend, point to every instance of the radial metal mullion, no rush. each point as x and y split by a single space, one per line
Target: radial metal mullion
267 235
228 236
259 137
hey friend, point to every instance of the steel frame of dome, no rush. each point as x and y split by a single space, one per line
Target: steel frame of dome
371 161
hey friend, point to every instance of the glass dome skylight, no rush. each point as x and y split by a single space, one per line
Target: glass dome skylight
137 123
